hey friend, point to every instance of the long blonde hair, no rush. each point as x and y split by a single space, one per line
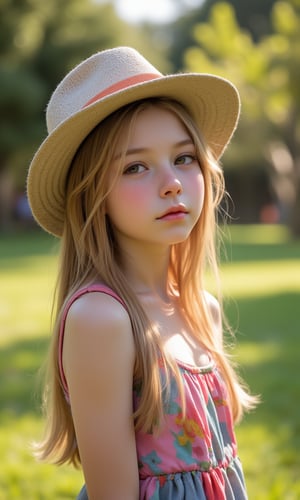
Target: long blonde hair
90 253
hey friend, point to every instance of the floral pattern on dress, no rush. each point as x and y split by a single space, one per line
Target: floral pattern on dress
195 457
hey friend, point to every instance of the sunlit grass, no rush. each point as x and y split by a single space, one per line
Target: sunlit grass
21 477
258 234
263 286
262 298
27 270
261 278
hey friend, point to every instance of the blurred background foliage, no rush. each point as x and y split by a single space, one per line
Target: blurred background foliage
255 44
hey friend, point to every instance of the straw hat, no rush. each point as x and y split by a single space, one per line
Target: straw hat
99 86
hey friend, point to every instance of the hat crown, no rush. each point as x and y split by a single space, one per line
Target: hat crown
94 77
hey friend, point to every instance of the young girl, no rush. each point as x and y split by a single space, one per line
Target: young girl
140 391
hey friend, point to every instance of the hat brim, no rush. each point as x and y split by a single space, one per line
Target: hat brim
213 102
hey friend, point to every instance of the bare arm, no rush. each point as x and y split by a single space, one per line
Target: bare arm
98 359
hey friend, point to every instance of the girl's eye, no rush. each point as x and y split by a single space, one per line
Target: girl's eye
185 159
135 168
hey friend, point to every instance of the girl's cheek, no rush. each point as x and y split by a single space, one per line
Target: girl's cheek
132 195
198 190
196 185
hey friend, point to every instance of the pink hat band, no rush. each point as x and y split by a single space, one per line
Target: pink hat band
128 82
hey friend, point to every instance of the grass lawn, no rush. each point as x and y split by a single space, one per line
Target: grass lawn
262 289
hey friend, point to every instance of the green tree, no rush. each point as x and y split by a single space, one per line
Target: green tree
253 16
39 42
268 77
283 110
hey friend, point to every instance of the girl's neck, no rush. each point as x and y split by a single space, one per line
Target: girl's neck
147 272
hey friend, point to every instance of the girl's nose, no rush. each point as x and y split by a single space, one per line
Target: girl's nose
171 185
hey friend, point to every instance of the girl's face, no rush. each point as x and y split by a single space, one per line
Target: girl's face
159 195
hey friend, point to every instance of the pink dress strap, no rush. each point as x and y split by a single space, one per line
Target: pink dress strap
82 291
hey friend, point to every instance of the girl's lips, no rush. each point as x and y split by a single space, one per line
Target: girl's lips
173 216
174 213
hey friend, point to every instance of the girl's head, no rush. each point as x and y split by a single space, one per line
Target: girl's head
99 163
94 90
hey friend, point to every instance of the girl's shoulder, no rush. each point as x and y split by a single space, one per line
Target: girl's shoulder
213 305
94 306
99 317
96 322
85 294
97 308
214 309
94 300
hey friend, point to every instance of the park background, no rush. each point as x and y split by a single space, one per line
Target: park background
256 45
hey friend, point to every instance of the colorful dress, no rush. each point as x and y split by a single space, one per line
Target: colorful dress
191 458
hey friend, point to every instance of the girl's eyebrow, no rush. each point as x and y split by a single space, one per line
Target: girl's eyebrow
184 142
